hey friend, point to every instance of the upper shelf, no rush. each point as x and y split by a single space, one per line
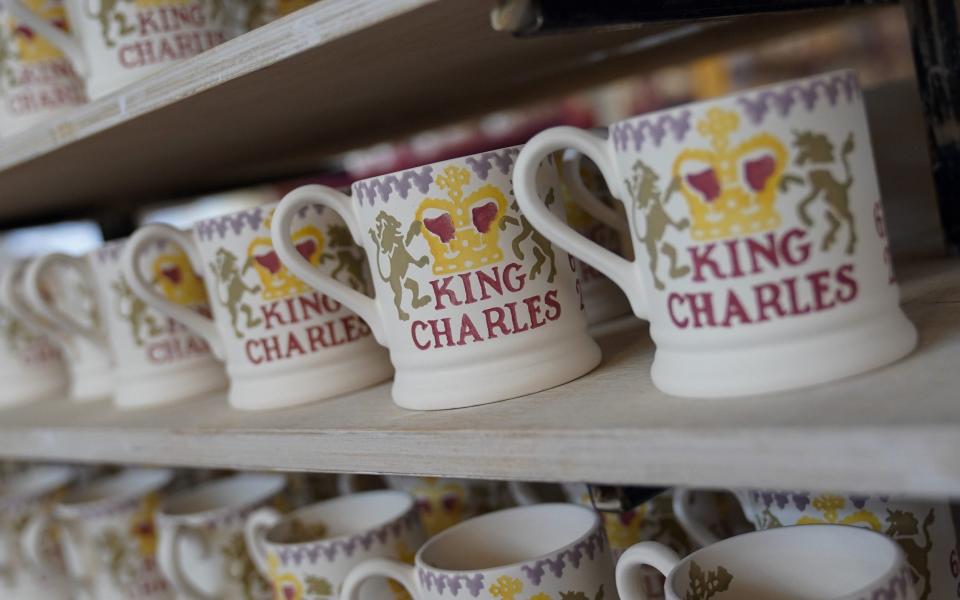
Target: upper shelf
336 75
895 430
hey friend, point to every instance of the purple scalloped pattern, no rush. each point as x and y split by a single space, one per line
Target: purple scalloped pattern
783 100
591 546
327 550
895 588
653 129
382 188
454 583
109 252
501 160
235 222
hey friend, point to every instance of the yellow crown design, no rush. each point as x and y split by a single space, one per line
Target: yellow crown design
31 47
178 282
462 232
276 281
731 190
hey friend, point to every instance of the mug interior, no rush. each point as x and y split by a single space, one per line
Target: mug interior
507 537
803 562
236 491
341 517
35 482
129 483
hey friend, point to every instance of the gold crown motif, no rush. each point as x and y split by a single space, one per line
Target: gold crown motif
730 189
276 280
178 282
462 232
31 47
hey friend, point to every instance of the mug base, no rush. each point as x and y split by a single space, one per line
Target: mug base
311 383
91 386
33 387
871 343
496 380
167 388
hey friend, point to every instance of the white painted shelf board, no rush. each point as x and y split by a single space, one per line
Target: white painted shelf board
893 430
337 75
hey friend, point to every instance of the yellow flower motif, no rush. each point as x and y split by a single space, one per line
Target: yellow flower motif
541 596
142 528
831 506
506 587
285 585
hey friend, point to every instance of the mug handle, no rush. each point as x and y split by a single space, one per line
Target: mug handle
130 266
619 270
340 203
49 310
32 539
651 554
171 563
382 567
19 307
64 41
584 198
254 530
694 528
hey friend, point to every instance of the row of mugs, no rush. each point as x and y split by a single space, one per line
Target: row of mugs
125 536
54 54
761 263
145 320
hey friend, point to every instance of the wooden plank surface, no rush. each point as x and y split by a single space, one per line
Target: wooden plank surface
337 75
893 430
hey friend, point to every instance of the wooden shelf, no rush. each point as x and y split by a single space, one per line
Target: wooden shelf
336 75
893 430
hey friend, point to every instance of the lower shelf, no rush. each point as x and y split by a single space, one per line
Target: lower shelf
896 430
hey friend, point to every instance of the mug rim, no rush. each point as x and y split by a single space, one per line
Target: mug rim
272 484
594 527
897 558
156 479
207 221
844 72
358 182
409 506
18 488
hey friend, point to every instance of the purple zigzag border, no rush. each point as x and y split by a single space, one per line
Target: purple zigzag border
327 550
110 251
401 183
592 545
503 160
783 99
236 222
454 583
894 588
653 128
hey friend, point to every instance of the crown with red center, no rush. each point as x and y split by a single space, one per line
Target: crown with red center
731 189
178 283
276 281
462 231
30 46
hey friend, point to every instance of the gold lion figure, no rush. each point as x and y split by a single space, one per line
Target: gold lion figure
227 271
137 314
391 244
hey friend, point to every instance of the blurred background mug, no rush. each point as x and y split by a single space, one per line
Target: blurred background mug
283 343
474 305
112 43
762 261
36 79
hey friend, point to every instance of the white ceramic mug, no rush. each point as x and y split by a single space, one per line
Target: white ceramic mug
443 502
474 305
821 562
157 360
202 551
31 293
113 43
308 553
593 213
31 366
22 498
283 343
927 532
108 537
36 80
762 259
542 551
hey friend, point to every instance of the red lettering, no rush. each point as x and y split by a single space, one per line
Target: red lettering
419 325
674 299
